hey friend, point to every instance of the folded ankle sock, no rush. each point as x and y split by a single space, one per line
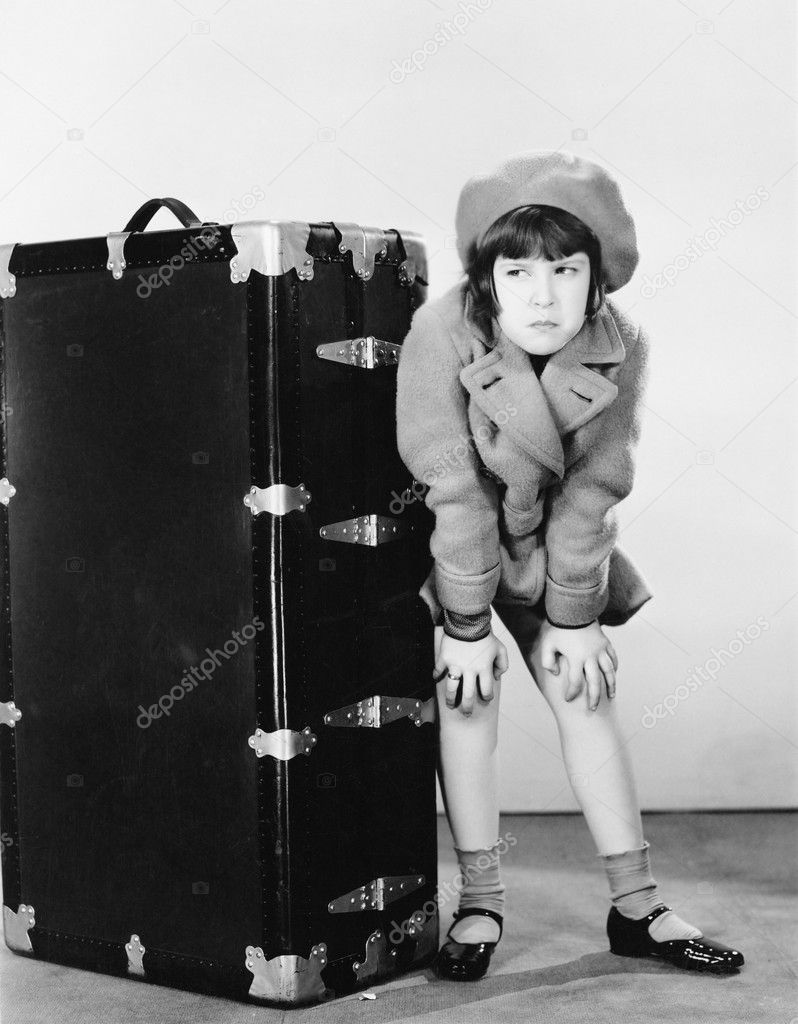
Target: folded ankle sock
483 888
633 891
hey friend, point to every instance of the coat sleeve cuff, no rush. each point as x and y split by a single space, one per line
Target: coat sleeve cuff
467 627
574 606
563 625
466 594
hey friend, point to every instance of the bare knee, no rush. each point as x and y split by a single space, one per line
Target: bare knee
483 718
551 684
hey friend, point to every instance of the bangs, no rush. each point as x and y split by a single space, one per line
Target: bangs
529 232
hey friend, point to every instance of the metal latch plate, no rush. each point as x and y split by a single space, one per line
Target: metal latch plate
277 499
282 744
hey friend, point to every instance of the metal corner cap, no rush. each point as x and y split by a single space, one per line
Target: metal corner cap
15 928
415 263
270 247
8 282
288 978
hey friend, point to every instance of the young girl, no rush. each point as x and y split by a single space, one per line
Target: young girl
519 396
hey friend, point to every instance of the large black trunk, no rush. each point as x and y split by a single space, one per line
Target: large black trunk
183 620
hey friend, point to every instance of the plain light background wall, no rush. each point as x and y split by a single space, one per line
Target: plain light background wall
377 113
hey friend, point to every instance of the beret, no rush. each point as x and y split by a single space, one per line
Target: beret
553 178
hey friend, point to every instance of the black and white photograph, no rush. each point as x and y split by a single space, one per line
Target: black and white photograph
398 511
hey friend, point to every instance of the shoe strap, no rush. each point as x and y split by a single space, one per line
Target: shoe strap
656 913
474 911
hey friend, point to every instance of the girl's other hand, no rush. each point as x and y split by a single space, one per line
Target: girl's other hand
479 662
590 655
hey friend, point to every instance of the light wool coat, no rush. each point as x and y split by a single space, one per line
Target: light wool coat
524 474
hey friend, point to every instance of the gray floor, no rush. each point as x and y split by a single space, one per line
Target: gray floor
733 875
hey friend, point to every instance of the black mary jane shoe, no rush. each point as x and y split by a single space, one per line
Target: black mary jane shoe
632 938
467 961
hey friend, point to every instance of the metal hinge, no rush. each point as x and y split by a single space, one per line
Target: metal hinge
272 248
277 499
369 530
376 894
9 714
116 252
8 283
374 712
365 352
282 744
365 244
16 927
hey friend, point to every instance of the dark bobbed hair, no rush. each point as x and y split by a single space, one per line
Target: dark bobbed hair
536 231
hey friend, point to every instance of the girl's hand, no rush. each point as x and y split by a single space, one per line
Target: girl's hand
479 662
590 656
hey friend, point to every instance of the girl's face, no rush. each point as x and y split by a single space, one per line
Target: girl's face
534 289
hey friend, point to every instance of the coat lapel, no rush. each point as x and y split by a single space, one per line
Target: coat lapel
568 394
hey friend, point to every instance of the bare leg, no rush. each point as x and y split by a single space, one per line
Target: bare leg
601 775
468 771
596 759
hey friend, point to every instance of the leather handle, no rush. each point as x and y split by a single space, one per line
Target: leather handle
142 217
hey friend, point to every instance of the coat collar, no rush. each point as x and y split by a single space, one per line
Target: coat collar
568 394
